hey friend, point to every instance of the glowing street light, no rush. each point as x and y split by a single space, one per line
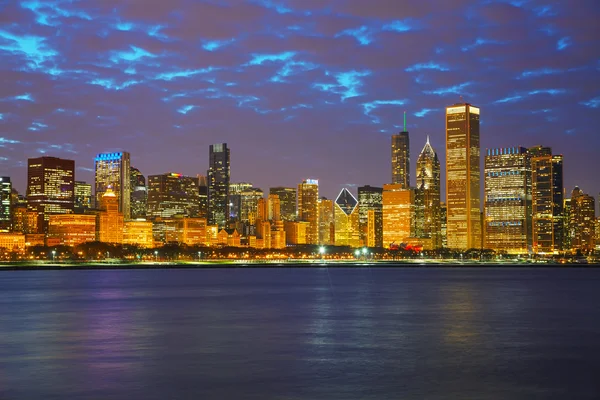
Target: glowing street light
53 255
155 255
357 253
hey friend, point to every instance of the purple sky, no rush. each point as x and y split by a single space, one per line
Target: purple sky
296 90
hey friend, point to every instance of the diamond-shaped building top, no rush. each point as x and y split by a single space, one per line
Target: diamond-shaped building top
346 201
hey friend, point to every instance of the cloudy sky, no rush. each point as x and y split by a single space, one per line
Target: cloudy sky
298 88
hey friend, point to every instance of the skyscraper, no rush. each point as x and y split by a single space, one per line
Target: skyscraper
138 194
370 203
547 200
235 199
463 196
326 222
50 188
287 199
112 170
346 220
218 185
427 197
401 158
582 221
203 197
398 214
83 197
172 194
308 208
507 200
110 219
5 203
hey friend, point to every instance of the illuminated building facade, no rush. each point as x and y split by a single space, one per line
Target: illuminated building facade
138 233
326 222
83 197
507 200
308 208
72 229
287 201
273 207
346 220
370 203
296 232
113 171
12 241
202 197
5 203
110 220
172 194
235 199
50 188
582 221
463 177
427 197
547 200
138 195
401 158
398 214
218 184
249 206
444 224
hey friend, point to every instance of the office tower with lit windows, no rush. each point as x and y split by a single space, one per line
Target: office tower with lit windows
5 203
582 221
308 208
249 199
172 194
547 200
398 214
50 188
507 200
444 224
218 185
138 195
463 177
83 197
326 222
138 233
235 199
427 197
346 220
273 208
72 229
110 224
113 170
287 201
370 215
401 158
202 197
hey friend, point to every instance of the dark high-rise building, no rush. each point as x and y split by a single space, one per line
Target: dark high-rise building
50 188
172 194
235 200
5 203
287 201
463 176
218 185
427 197
507 200
203 197
401 158
112 171
139 194
83 197
547 200
370 215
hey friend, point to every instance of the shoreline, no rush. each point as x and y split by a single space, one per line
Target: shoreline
281 265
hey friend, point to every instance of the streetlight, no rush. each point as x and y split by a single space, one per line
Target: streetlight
53 255
156 255
322 251
199 255
357 253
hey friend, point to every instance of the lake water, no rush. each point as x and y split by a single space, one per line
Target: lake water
489 333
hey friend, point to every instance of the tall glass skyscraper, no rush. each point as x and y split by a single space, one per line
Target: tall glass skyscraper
507 200
346 220
112 170
370 211
287 199
401 158
50 188
83 197
219 174
463 177
308 208
5 203
139 194
172 194
427 197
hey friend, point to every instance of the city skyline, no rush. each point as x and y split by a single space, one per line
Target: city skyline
292 84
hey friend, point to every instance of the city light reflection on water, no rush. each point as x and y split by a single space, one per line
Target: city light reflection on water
299 333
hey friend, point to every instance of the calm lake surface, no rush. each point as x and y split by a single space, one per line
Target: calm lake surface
421 333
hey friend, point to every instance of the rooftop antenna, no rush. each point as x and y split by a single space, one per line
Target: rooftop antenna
427 139
404 122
